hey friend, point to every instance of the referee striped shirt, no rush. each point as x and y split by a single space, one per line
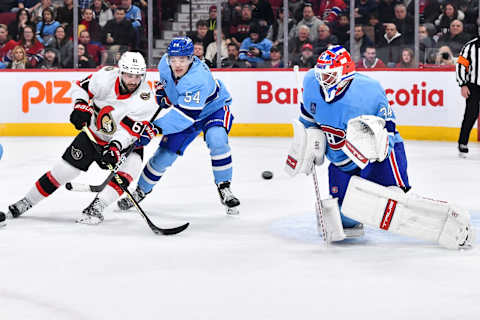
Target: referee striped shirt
467 63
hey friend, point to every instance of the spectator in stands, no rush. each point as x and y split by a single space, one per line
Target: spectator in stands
89 24
378 28
296 8
6 44
231 14
429 10
211 52
133 13
102 12
389 46
404 23
295 45
426 44
470 9
84 4
342 29
15 28
262 10
46 28
199 52
29 4
310 21
275 60
455 38
19 59
37 12
406 59
65 16
8 5
360 43
50 61
386 11
119 34
64 47
233 60
255 48
97 52
275 32
444 20
330 10
201 34
212 18
370 60
33 48
324 39
445 57
84 60
363 10
240 31
306 59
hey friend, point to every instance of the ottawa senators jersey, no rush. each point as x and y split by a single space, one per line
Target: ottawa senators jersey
116 116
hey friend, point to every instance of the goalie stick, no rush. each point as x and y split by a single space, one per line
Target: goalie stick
153 227
321 224
83 187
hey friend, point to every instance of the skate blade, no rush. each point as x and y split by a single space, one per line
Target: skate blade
90 221
233 211
355 232
462 155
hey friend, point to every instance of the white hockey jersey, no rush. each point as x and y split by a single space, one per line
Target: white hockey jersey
116 116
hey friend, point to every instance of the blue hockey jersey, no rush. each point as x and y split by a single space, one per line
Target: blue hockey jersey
194 97
364 96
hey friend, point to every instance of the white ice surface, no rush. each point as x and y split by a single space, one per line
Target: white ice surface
267 263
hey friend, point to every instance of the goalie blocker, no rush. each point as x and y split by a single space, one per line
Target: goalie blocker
392 210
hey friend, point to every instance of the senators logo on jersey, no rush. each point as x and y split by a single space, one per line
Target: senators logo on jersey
105 122
335 137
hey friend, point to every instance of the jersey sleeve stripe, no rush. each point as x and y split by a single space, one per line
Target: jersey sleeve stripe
128 123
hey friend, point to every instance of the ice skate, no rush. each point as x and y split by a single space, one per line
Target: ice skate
227 198
3 219
93 213
462 150
356 231
125 203
18 208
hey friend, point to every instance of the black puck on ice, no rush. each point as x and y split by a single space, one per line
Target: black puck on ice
2 217
267 175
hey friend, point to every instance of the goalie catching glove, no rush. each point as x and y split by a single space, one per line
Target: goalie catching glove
307 149
366 140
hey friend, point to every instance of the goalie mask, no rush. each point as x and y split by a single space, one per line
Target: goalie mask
132 69
334 70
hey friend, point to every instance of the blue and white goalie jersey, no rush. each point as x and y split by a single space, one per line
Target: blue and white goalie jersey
364 96
194 97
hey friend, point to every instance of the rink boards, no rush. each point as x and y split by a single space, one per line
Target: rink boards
427 104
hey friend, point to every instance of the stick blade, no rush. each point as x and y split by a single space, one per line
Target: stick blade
170 231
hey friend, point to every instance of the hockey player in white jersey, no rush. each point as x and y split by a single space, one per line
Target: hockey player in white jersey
195 102
346 117
116 104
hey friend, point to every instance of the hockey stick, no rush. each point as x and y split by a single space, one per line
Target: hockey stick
82 187
154 228
321 225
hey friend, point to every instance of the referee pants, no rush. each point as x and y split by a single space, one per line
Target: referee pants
471 113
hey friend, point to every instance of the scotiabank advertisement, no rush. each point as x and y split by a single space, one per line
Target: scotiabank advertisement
419 98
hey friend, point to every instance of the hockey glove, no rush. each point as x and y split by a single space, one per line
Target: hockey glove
148 133
111 153
161 96
81 115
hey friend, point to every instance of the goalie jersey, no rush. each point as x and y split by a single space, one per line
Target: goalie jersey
116 116
363 96
194 96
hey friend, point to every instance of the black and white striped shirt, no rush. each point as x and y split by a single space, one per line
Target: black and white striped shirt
467 64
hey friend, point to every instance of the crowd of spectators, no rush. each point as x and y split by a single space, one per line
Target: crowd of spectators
41 35
252 32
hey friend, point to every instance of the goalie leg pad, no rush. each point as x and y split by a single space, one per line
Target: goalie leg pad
307 149
333 223
392 210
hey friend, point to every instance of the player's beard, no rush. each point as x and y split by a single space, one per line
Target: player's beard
127 88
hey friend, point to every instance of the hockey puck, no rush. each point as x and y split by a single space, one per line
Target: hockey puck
267 175
68 186
3 217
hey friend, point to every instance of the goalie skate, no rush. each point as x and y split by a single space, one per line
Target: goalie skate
125 204
227 198
18 208
93 213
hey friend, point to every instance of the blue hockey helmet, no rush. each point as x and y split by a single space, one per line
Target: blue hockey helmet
180 47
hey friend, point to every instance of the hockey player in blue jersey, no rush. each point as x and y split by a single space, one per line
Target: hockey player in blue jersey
195 103
346 117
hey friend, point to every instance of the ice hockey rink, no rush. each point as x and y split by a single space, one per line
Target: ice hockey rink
266 263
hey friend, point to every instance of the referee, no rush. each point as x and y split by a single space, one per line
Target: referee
467 71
